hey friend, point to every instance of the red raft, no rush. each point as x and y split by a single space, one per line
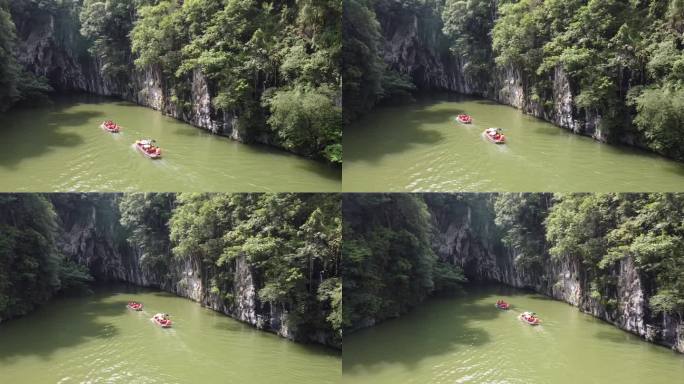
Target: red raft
530 318
502 304
110 126
148 148
495 135
162 320
465 119
135 306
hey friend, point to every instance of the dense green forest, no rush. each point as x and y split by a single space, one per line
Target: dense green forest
273 65
624 59
31 267
16 84
390 263
291 242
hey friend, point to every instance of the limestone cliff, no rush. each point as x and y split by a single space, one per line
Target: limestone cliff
51 46
91 235
413 43
484 258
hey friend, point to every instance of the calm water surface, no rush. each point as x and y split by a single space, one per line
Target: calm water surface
61 148
419 147
467 340
95 339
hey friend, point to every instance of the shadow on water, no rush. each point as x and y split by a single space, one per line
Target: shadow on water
53 327
47 135
373 146
435 328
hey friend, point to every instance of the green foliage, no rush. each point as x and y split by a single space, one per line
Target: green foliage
601 230
623 60
31 268
259 57
74 278
660 116
389 265
330 291
521 216
146 217
447 277
16 84
363 67
367 80
9 71
468 25
107 24
308 121
290 242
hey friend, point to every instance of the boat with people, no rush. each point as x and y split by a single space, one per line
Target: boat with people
502 304
465 119
530 318
162 319
495 135
149 148
110 126
135 306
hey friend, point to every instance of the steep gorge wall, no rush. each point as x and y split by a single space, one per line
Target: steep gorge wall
484 258
415 45
50 46
94 238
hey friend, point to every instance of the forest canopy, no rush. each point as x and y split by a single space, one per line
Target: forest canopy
391 246
624 60
272 67
289 243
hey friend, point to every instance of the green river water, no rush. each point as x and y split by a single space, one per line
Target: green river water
96 339
419 147
467 340
61 148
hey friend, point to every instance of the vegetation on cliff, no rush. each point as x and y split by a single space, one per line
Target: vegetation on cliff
624 60
16 84
367 79
389 249
600 230
31 268
290 243
272 67
389 265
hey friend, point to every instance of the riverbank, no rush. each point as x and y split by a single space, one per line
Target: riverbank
418 147
60 147
96 337
249 95
614 256
534 56
465 338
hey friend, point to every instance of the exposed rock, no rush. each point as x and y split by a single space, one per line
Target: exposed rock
47 48
415 45
91 240
458 242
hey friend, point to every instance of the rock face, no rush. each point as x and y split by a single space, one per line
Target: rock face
49 47
457 241
92 237
415 45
